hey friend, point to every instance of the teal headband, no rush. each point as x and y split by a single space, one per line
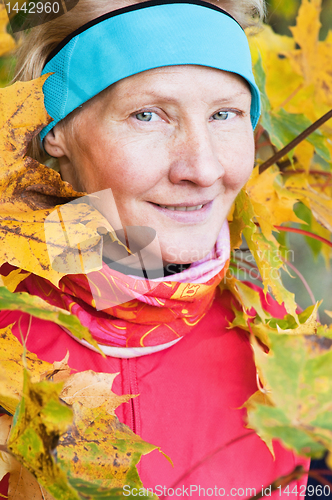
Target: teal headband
138 38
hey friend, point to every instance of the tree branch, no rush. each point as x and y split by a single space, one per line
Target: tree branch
276 157
282 481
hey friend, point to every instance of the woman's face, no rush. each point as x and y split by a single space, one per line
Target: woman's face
176 136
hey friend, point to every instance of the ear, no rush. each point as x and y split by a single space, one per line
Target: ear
54 143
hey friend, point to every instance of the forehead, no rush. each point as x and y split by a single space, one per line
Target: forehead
182 79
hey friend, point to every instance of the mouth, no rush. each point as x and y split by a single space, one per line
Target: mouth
184 207
185 212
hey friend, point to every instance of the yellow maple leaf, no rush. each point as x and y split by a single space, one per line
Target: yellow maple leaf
319 204
7 43
94 406
11 369
272 48
312 61
30 193
271 207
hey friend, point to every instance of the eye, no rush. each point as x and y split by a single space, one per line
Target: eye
224 115
146 116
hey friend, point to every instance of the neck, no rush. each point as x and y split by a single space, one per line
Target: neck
167 270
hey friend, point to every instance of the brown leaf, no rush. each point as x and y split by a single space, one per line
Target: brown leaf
11 369
31 193
93 390
61 371
98 447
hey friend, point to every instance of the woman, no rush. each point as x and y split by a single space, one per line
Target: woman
155 103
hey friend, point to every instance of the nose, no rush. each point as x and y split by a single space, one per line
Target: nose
195 156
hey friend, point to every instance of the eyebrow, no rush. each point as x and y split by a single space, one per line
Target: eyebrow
167 98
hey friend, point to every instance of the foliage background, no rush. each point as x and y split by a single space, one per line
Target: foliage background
281 15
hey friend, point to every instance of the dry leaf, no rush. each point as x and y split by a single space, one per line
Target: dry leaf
61 371
11 369
83 450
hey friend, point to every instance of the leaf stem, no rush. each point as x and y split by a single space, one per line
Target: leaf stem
280 154
282 481
304 281
319 477
311 172
290 97
207 457
249 264
305 233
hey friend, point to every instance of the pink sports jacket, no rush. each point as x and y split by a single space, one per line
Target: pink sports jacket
189 404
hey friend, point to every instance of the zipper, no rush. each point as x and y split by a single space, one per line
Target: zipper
133 415
131 366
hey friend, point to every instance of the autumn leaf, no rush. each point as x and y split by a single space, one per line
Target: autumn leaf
13 279
7 43
313 59
270 47
320 204
271 206
83 454
11 369
42 423
31 193
297 382
266 252
247 297
283 126
83 451
39 308
39 421
22 484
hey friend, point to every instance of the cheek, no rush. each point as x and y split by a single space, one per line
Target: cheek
240 161
124 166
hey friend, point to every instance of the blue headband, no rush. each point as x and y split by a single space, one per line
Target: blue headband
138 38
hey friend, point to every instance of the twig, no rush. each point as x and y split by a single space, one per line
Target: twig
290 97
305 233
280 154
207 457
304 281
311 172
282 481
252 266
319 477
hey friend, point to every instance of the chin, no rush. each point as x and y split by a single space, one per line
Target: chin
173 254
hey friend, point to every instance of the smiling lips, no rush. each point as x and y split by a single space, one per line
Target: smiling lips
192 214
183 207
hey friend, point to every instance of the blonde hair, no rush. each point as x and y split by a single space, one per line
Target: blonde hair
38 43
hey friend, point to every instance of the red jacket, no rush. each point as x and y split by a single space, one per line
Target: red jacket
188 404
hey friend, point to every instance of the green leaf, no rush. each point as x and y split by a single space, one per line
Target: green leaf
89 491
283 126
39 308
83 452
39 421
297 375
